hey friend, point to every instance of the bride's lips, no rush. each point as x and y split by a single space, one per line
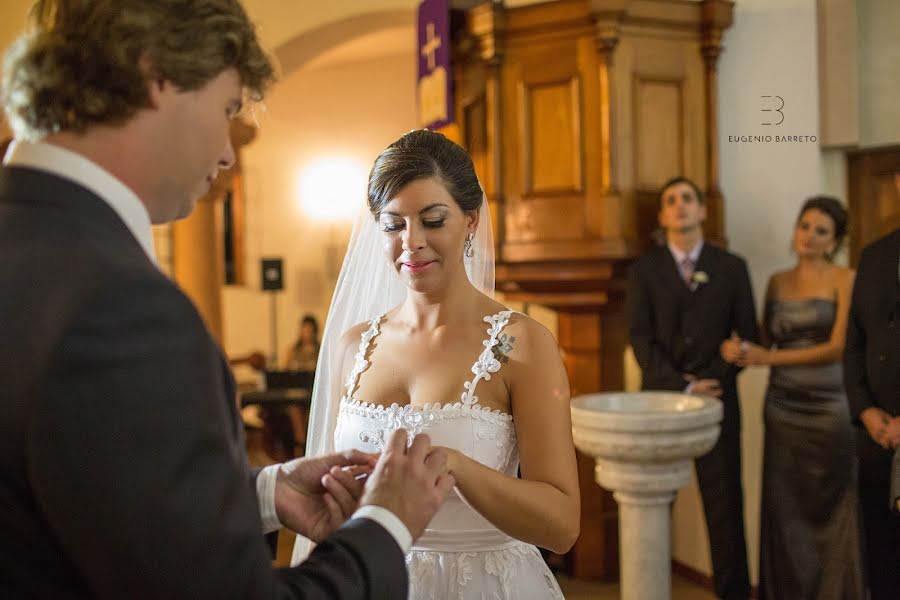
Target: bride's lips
417 266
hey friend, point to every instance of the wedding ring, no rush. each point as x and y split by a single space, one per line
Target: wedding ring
348 468
744 346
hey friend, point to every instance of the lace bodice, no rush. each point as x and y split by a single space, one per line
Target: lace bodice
485 435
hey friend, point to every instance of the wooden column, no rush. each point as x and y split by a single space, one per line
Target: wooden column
197 241
716 18
198 260
614 218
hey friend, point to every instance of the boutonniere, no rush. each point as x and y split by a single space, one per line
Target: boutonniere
698 279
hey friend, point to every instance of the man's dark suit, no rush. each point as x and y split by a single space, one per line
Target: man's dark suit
872 378
676 331
122 467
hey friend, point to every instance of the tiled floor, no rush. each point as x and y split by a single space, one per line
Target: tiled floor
573 590
582 590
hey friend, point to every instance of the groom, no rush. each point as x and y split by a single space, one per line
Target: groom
684 299
122 467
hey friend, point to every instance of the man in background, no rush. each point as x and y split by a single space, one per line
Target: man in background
684 299
872 379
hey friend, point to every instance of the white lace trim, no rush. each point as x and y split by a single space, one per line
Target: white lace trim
360 363
416 419
410 414
487 363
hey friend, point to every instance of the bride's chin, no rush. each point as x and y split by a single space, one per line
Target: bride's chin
421 285
418 286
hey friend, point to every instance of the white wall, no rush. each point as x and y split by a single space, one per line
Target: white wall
352 110
770 50
879 71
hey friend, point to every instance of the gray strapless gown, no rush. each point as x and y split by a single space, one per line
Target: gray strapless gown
809 538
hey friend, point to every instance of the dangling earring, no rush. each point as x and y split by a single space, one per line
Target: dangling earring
469 251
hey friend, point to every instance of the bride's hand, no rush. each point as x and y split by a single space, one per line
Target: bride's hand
314 496
454 458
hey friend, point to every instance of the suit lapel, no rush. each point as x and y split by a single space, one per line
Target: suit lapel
669 272
706 264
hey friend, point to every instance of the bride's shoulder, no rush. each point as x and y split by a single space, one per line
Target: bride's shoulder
352 337
530 335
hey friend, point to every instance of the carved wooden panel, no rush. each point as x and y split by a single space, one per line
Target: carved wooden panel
551 134
659 131
547 107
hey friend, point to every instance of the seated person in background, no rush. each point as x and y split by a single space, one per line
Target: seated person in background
291 423
303 353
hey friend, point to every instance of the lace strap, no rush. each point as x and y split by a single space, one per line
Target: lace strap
487 363
360 363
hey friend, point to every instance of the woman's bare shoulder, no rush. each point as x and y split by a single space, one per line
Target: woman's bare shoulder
842 273
530 335
352 337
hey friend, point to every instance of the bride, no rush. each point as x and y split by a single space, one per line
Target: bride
435 354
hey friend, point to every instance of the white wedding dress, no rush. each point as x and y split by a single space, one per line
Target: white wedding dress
461 555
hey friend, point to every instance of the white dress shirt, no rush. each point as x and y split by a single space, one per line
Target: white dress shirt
679 256
88 174
91 176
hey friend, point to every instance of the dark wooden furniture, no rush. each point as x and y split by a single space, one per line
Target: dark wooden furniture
575 112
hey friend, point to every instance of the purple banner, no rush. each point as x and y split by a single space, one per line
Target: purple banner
435 82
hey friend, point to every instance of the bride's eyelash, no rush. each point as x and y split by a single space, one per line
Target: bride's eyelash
393 227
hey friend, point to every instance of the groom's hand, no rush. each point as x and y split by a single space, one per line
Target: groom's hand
314 496
411 482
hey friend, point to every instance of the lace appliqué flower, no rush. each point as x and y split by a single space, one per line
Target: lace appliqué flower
450 574
409 417
487 363
361 363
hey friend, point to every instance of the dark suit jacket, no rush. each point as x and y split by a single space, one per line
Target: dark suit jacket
895 481
675 330
122 467
872 350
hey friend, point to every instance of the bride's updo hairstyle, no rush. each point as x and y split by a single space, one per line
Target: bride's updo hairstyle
423 154
835 210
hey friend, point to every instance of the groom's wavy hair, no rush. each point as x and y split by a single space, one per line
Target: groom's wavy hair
87 62
423 154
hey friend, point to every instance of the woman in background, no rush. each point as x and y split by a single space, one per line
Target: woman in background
809 538
303 354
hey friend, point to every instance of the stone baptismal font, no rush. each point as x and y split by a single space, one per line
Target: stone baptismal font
643 444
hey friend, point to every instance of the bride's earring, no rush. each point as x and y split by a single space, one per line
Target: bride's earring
469 251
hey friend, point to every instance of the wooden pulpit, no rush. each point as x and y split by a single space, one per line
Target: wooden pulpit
575 112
